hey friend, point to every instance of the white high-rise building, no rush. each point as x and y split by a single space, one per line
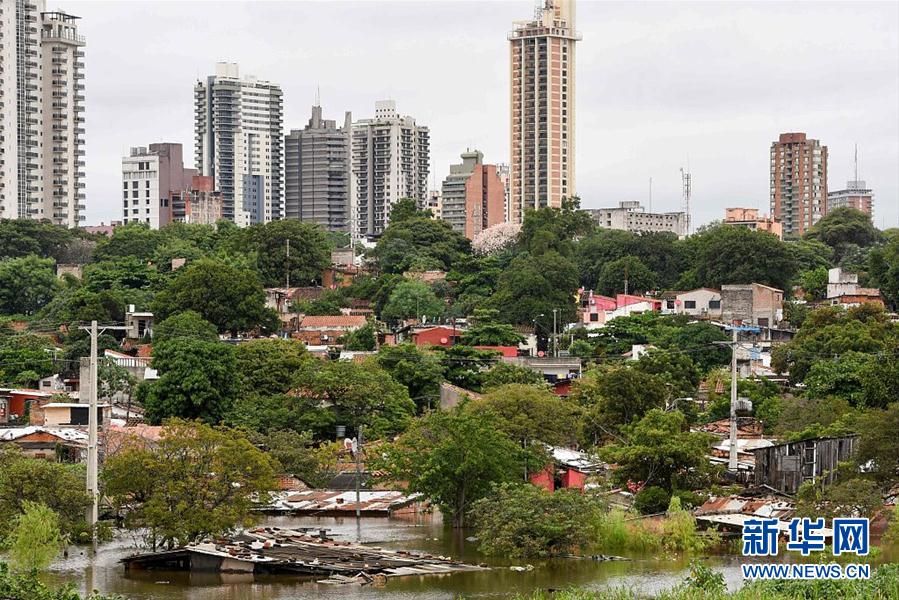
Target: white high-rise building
41 121
239 143
390 161
153 182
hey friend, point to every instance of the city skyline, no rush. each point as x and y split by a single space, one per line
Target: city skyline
656 87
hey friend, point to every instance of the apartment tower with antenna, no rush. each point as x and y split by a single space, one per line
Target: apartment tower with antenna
855 195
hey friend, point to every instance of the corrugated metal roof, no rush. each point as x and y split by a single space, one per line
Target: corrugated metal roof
337 500
333 321
69 434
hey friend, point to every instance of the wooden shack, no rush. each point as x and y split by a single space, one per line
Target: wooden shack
787 466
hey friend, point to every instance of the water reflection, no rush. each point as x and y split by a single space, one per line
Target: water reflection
102 571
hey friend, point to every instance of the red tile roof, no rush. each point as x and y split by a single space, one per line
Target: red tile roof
333 321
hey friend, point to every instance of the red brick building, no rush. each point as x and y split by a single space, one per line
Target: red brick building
474 197
326 330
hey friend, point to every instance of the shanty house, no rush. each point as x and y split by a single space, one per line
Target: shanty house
568 469
787 466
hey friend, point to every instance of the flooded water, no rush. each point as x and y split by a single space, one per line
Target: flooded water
104 573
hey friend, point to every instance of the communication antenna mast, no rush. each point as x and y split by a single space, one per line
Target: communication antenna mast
686 188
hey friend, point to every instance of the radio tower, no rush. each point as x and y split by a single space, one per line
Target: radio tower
686 190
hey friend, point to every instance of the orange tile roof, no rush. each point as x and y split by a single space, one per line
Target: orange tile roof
333 321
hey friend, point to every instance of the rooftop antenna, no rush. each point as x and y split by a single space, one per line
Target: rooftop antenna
650 194
686 190
318 95
856 162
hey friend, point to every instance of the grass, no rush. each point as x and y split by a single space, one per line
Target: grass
676 532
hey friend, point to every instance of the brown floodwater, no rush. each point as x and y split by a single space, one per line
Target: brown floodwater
103 572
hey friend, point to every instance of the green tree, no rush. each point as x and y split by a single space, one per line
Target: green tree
884 269
843 227
529 415
536 284
613 275
616 397
412 299
231 299
526 520
814 283
294 453
503 373
724 254
198 481
418 241
185 324
22 237
196 381
662 253
554 229
877 448
265 414
660 451
54 485
677 371
452 458
810 254
854 497
124 274
269 366
26 284
363 339
35 539
492 334
421 372
359 394
465 366
135 240
26 353
310 252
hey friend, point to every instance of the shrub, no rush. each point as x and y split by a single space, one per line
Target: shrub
652 500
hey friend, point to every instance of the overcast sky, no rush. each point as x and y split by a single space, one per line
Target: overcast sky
658 84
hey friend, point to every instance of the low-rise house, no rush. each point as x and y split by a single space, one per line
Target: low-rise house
14 401
138 366
451 395
57 414
326 330
729 513
785 467
553 369
439 335
751 304
594 307
63 444
702 303
282 298
139 323
568 469
843 289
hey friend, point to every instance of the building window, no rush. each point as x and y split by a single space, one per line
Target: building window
715 304
594 317
689 303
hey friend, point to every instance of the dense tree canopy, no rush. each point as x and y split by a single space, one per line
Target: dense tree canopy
196 381
534 285
197 481
232 299
26 284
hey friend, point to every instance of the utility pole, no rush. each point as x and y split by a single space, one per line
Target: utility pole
555 335
358 471
93 486
288 265
732 458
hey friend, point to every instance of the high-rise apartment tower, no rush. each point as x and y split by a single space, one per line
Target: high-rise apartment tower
239 143
41 121
542 109
390 161
473 195
317 172
798 182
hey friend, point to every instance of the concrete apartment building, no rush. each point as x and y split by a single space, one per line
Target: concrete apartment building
503 170
751 304
630 215
42 121
704 303
798 182
200 203
152 179
390 161
434 203
542 55
473 195
855 195
317 172
239 143
749 218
